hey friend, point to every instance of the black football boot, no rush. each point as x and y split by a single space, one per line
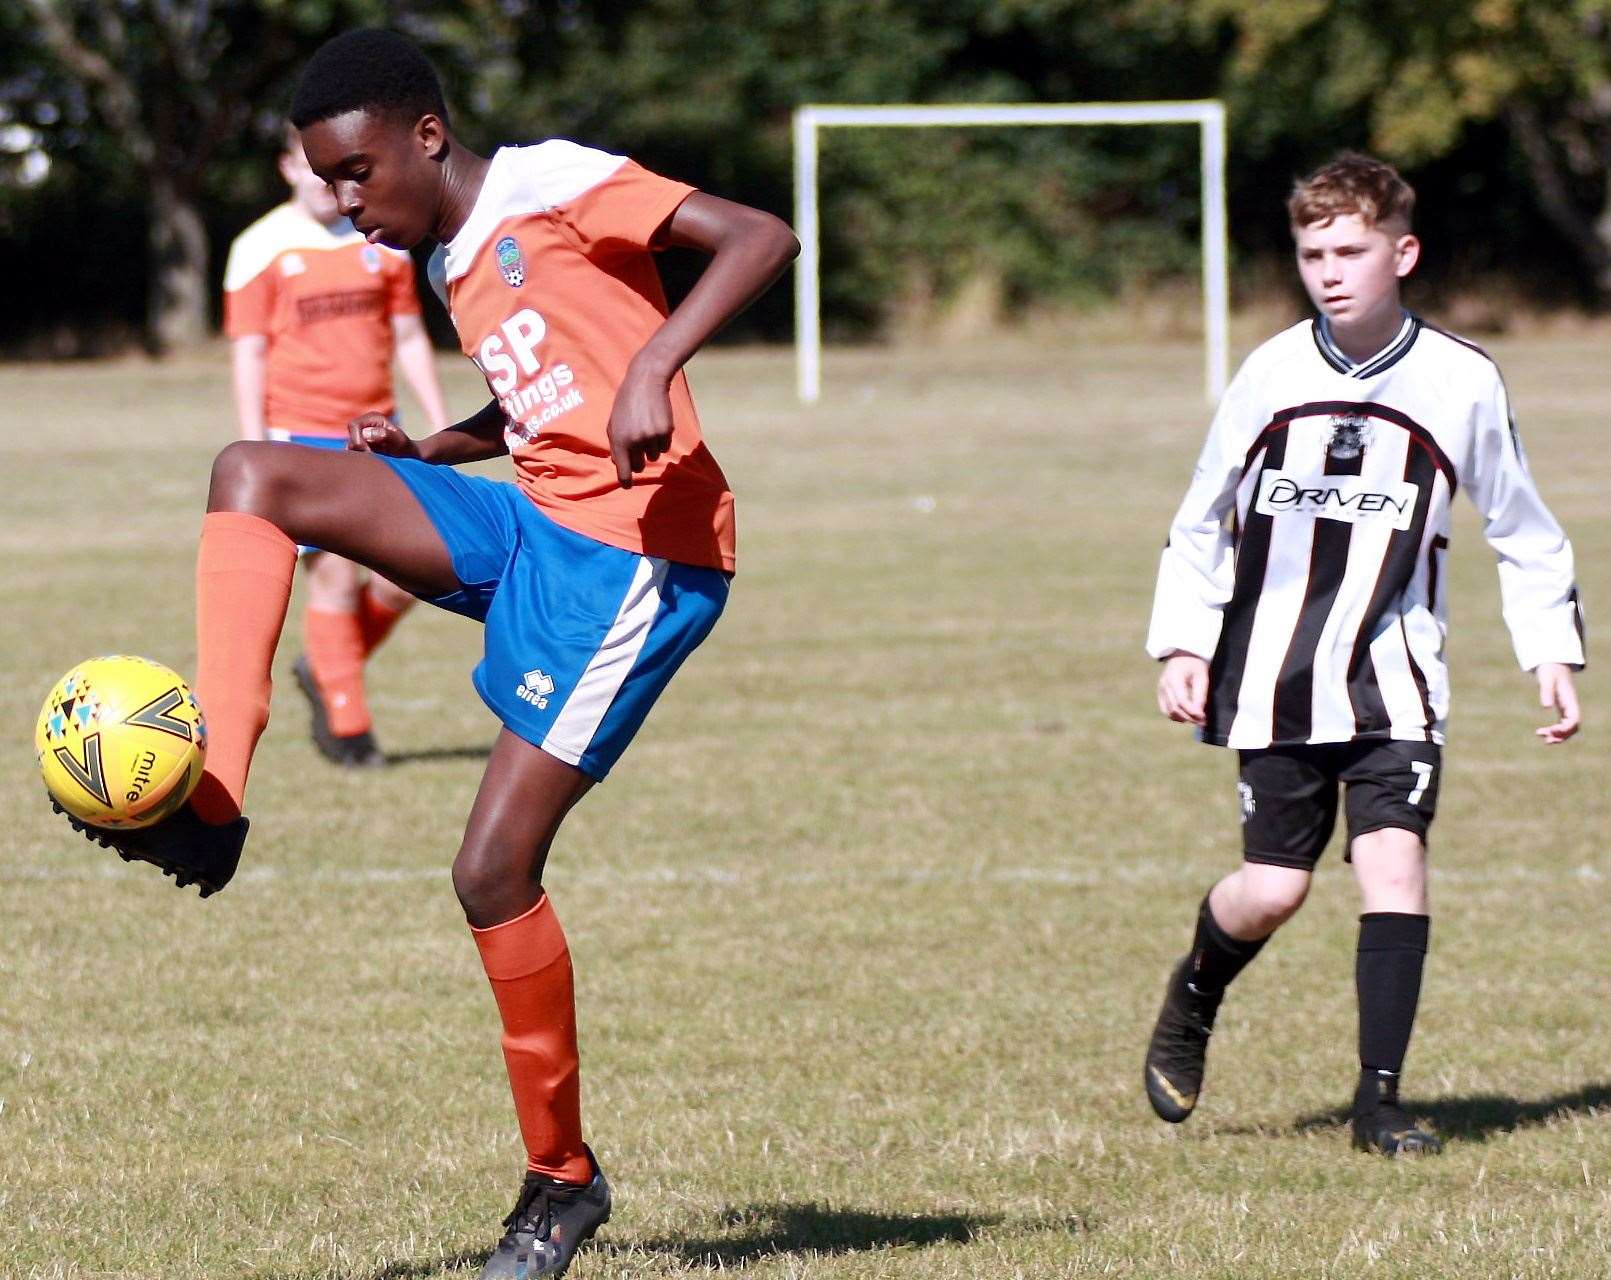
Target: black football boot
181 846
355 751
550 1221
1380 1124
1179 1044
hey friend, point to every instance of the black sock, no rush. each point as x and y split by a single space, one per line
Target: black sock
1387 973
1216 957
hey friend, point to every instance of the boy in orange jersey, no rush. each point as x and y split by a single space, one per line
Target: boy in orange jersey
595 574
314 313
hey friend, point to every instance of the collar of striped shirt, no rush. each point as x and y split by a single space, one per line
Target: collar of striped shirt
1388 356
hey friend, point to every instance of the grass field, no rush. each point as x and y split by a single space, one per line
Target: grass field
871 923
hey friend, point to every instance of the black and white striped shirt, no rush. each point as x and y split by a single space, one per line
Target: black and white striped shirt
1306 562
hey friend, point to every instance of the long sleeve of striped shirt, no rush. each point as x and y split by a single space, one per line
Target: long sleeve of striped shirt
1198 565
1537 588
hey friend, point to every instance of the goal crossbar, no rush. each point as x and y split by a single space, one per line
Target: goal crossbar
1208 115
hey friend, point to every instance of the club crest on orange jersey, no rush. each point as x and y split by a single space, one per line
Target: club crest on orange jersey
371 258
511 262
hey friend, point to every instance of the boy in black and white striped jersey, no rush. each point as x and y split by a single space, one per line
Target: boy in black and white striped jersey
1300 617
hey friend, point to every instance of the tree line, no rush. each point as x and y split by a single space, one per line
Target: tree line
136 136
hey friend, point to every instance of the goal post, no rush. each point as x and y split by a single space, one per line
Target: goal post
1208 115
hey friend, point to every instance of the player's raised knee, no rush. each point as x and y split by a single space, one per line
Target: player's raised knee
250 476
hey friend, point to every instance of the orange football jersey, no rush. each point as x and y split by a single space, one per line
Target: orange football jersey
553 289
325 299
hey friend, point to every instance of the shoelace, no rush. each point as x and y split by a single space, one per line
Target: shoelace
543 1196
1186 1031
1183 1048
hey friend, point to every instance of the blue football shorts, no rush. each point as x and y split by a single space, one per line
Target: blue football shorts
313 442
579 637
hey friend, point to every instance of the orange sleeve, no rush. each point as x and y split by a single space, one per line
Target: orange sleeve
627 210
403 297
250 309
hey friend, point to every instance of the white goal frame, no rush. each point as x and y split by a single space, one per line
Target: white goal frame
1209 115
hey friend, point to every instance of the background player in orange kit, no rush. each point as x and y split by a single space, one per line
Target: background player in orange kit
315 313
596 574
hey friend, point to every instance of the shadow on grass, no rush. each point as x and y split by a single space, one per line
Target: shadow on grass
431 754
1478 1116
766 1230
413 1268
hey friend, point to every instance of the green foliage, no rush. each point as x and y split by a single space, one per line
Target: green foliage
1417 72
1500 108
1418 81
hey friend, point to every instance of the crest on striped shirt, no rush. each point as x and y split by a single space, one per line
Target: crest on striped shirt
1350 436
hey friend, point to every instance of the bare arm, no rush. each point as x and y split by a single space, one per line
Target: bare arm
749 250
478 437
418 362
249 373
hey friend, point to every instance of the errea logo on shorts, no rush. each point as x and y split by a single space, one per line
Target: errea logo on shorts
1351 499
534 688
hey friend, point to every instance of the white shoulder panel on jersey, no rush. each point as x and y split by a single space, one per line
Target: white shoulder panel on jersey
526 180
1468 363
1277 349
277 231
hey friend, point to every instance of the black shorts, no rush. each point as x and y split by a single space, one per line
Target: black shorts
1289 795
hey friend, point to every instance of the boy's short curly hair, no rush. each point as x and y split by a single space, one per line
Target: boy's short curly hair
1353 183
369 69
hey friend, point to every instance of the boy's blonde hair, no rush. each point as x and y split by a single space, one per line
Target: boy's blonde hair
1353 183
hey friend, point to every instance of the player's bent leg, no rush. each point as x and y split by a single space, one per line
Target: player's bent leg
353 504
264 499
1233 923
1394 929
524 796
243 577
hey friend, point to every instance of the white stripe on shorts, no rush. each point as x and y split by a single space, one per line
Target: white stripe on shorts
573 729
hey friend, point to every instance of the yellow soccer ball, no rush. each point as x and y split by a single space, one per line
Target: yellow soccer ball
121 742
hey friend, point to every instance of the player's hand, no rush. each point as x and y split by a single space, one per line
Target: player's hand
640 423
1558 692
1183 688
376 433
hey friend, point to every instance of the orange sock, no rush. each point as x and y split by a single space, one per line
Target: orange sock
243 583
529 966
335 647
375 620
